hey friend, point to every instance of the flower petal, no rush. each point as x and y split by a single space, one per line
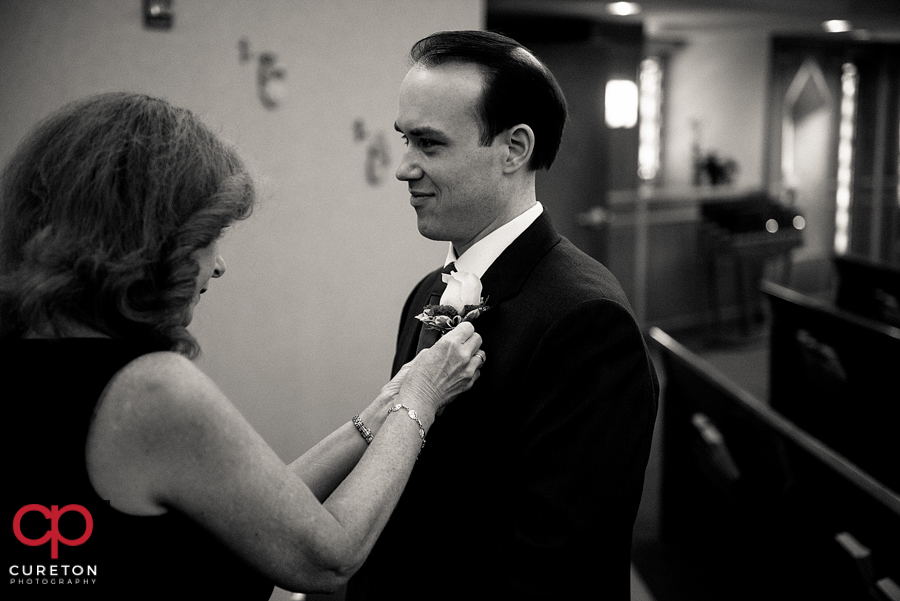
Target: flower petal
463 288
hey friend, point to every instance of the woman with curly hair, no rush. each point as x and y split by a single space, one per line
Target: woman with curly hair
110 212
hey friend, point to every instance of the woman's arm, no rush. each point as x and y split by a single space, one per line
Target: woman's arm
325 466
165 437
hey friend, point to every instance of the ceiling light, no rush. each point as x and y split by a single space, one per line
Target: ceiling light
836 26
623 9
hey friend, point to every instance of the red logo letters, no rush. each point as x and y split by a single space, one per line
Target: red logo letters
53 514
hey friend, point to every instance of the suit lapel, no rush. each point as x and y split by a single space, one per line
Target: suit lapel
506 275
502 280
408 336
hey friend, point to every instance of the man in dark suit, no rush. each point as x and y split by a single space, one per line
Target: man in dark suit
530 482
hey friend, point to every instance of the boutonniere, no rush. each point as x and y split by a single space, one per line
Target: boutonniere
460 302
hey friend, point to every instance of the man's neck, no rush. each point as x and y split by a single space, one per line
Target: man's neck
496 224
480 256
522 199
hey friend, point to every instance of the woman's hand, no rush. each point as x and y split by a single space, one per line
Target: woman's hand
373 415
439 374
392 388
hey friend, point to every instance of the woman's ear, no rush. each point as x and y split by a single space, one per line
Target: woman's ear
520 143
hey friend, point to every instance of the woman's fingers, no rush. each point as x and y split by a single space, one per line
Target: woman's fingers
465 336
462 332
448 368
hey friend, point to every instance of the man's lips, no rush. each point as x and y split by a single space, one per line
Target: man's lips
416 196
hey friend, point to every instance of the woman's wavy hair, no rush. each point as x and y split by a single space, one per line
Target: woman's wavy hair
102 208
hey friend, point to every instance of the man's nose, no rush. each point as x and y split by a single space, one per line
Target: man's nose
408 169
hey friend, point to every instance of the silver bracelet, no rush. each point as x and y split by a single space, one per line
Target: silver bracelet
363 430
412 415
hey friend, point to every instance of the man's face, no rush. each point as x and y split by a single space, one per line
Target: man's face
454 181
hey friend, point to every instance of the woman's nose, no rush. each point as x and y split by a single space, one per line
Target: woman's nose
219 271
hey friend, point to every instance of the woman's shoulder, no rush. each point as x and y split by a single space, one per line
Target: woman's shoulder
158 365
161 393
160 375
153 413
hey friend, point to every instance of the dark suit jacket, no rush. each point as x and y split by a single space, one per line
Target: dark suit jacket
529 483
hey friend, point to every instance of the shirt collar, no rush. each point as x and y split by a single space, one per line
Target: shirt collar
481 255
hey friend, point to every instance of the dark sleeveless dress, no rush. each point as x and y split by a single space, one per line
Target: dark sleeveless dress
48 390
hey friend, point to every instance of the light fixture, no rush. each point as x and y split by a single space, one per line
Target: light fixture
623 9
650 118
846 133
836 26
621 103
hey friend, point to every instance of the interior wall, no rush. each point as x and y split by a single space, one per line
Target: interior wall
716 94
579 178
594 162
300 331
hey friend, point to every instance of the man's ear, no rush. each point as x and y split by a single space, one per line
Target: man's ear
520 144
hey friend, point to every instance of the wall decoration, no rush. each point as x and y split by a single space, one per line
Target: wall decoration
378 156
270 77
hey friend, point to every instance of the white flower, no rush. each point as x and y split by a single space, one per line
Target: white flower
460 302
463 289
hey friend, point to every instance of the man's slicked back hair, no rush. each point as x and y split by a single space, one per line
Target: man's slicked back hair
518 88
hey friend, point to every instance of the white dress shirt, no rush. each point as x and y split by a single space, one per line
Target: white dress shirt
483 253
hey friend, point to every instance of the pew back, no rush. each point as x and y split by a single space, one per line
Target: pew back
837 376
868 288
762 495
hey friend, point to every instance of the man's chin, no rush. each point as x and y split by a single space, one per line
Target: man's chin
427 230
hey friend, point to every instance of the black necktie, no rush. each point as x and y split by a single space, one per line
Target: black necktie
427 336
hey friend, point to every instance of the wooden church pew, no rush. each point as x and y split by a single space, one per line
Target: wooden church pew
762 500
868 288
837 376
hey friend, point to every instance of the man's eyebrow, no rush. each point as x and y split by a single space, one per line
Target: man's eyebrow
421 131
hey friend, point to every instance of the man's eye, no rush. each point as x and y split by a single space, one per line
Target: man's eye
426 143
